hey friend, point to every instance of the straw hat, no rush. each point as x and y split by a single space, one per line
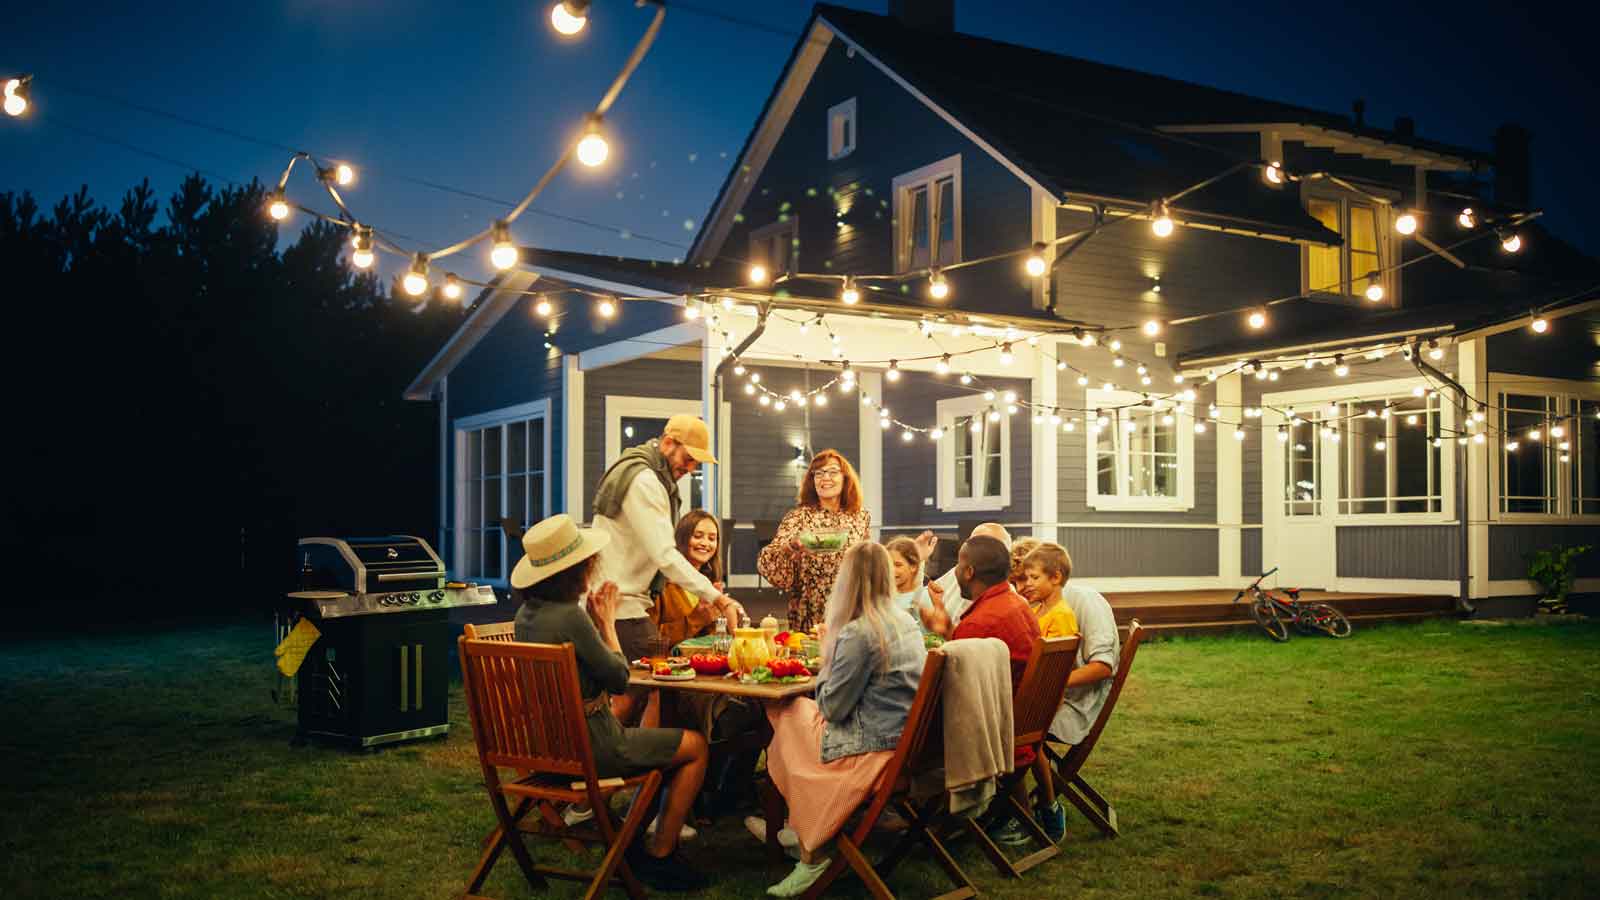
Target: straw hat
552 546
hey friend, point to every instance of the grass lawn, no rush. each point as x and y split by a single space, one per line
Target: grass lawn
1433 759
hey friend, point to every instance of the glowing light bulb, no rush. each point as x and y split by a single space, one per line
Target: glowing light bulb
820 400
1380 444
1152 328
936 434
568 16
1272 172
1539 324
593 149
1199 428
1035 264
850 296
1006 356
1374 292
1161 224
757 274
893 373
452 287
1435 352
362 256
938 288
1511 242
416 280
344 175
1238 432
1117 361
966 378
943 365
1257 319
16 90
1467 219
1083 381
1406 223
606 309
1479 438
691 312
1557 431
277 206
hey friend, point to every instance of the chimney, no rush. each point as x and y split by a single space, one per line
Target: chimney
1358 112
928 15
1405 126
1513 166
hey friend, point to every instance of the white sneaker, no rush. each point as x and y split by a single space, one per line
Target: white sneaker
787 839
576 815
686 833
804 876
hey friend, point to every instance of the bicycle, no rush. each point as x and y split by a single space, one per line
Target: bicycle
1275 615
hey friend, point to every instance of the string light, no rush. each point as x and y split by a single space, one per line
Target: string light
1152 328
966 378
1380 444
756 274
893 374
691 311
1283 434
1199 427
542 308
1006 356
1435 352
593 149
1481 413
504 255
1035 264
1510 241
1539 324
1155 284
1272 172
569 16
1083 381
1115 345
1557 431
1257 319
416 280
606 308
1374 289
1406 223
938 288
936 434
16 90
1479 438
1161 224
1467 219
1238 430
344 174
943 365
849 296
277 206
452 287
362 256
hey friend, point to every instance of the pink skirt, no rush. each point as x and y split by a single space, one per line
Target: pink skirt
821 796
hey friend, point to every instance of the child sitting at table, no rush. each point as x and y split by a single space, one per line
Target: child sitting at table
826 754
1020 548
910 594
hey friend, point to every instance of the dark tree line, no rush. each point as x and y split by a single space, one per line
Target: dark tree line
187 399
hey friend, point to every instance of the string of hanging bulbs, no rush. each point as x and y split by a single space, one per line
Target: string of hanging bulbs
567 17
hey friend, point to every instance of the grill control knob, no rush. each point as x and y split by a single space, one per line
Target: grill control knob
436 597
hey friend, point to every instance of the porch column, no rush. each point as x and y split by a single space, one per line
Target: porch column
1046 382
1230 479
715 502
572 437
870 435
1473 360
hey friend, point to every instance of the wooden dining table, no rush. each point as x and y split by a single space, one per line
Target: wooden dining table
728 687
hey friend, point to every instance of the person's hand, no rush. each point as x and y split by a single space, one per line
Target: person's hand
936 593
926 542
796 547
935 619
603 603
718 586
730 609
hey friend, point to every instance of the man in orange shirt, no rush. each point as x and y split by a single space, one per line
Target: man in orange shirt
982 572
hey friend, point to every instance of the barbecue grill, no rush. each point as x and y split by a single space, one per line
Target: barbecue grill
380 671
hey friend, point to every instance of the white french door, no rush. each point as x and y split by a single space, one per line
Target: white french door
1300 484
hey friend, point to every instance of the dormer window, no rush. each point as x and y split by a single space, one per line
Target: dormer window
842 129
1349 270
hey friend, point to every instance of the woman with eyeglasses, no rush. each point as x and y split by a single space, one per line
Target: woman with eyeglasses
829 504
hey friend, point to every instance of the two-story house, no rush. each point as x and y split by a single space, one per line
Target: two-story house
1188 333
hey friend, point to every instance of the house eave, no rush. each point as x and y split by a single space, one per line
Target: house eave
1343 141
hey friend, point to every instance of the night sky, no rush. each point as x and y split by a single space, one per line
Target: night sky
480 101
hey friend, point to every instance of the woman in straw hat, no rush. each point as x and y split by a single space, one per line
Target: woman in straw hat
552 579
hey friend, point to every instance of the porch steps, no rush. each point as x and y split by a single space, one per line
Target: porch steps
1356 621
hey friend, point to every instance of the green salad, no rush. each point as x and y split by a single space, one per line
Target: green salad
825 540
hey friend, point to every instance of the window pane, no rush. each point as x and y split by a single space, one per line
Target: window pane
848 132
1322 263
1302 471
536 445
991 452
1364 479
638 430
517 447
472 564
535 497
491 503
991 474
964 477
517 500
1166 476
1363 245
474 491
1524 471
1412 451
1106 463
947 220
491 451
1584 458
917 214
474 454
492 540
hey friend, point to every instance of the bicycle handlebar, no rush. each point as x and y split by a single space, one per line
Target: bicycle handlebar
1256 582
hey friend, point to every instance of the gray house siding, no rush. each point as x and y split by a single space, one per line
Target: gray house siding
896 134
1566 351
1509 546
1398 551
1140 552
910 469
656 378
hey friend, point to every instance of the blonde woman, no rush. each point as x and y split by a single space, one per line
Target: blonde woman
826 753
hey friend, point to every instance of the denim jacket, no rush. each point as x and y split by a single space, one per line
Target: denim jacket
864 702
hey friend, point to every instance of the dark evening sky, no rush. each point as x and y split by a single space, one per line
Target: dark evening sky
480 100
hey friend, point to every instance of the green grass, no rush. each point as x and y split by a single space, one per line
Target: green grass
1437 759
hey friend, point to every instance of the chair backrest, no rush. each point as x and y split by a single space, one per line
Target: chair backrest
526 707
493 631
1075 757
1043 684
922 722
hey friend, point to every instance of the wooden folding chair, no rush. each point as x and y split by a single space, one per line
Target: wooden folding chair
1034 703
493 631
1067 768
527 715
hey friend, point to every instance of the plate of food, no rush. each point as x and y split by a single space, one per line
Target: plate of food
662 670
824 541
647 662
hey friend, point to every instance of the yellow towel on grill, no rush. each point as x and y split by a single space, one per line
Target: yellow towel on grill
292 650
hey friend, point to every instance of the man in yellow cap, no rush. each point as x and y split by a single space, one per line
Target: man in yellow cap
637 505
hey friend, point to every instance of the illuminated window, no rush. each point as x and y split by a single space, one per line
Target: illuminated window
974 466
1348 270
1142 458
500 474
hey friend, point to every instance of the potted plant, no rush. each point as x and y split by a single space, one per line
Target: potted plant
1555 568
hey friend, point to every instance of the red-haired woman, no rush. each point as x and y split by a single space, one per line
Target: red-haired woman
829 502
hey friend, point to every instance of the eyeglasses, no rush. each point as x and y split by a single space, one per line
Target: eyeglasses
829 472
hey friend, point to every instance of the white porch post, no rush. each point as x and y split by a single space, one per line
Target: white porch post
871 439
1045 491
715 483
1472 357
572 440
1230 480
444 468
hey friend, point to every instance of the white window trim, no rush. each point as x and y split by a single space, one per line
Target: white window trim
847 109
1499 383
946 413
619 407
1356 393
1388 246
536 409
950 165
1096 398
762 237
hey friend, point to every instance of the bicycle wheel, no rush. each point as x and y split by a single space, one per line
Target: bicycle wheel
1329 620
1266 615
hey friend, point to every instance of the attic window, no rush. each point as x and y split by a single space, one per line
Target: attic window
842 129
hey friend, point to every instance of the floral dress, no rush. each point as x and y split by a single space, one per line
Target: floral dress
808 577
